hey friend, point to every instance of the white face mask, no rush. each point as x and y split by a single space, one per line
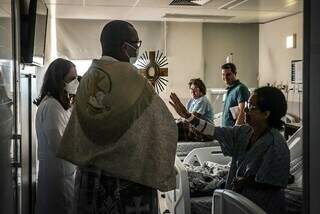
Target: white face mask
72 86
133 59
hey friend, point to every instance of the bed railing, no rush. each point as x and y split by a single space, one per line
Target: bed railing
227 201
178 200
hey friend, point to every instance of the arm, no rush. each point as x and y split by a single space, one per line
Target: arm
201 125
196 114
240 118
226 136
242 98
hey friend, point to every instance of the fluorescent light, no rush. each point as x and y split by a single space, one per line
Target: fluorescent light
291 41
232 4
38 60
200 2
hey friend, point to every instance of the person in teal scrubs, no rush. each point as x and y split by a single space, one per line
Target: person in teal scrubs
235 99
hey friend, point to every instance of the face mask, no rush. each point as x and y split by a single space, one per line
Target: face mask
72 86
132 59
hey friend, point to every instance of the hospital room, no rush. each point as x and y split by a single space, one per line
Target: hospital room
159 106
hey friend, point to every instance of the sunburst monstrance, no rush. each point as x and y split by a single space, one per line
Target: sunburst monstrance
152 67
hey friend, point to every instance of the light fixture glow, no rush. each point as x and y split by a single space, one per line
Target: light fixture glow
53 33
291 41
200 2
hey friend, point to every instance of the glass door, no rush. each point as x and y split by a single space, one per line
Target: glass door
9 163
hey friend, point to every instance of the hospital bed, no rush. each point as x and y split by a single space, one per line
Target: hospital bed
178 201
295 144
227 201
294 191
184 148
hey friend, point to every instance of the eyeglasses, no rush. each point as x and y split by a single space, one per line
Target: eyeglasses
135 43
194 88
250 107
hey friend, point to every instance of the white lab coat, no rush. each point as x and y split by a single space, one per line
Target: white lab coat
56 176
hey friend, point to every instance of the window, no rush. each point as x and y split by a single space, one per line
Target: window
82 66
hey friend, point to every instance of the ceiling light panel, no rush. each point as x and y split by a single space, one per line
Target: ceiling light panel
232 4
201 2
183 3
190 16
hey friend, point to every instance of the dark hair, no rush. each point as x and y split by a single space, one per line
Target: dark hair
53 82
199 83
113 35
230 66
273 100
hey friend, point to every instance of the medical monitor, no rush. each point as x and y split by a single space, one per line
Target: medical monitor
33 33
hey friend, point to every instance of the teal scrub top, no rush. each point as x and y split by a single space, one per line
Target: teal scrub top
237 93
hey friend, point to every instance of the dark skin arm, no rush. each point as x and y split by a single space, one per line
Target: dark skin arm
178 106
206 129
196 114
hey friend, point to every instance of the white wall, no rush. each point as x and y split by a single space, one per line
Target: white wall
79 39
275 58
197 50
5 38
185 57
222 39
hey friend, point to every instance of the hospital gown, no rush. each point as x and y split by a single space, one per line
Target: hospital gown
268 161
56 176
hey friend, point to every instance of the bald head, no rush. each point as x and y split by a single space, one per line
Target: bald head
113 37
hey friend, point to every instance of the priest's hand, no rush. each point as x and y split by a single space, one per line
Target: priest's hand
178 106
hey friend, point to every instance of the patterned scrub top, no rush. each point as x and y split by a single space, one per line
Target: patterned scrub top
268 160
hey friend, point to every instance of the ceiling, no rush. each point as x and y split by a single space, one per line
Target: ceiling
251 11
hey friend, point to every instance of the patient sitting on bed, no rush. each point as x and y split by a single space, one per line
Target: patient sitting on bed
200 107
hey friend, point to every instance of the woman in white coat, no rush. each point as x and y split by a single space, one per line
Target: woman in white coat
56 176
